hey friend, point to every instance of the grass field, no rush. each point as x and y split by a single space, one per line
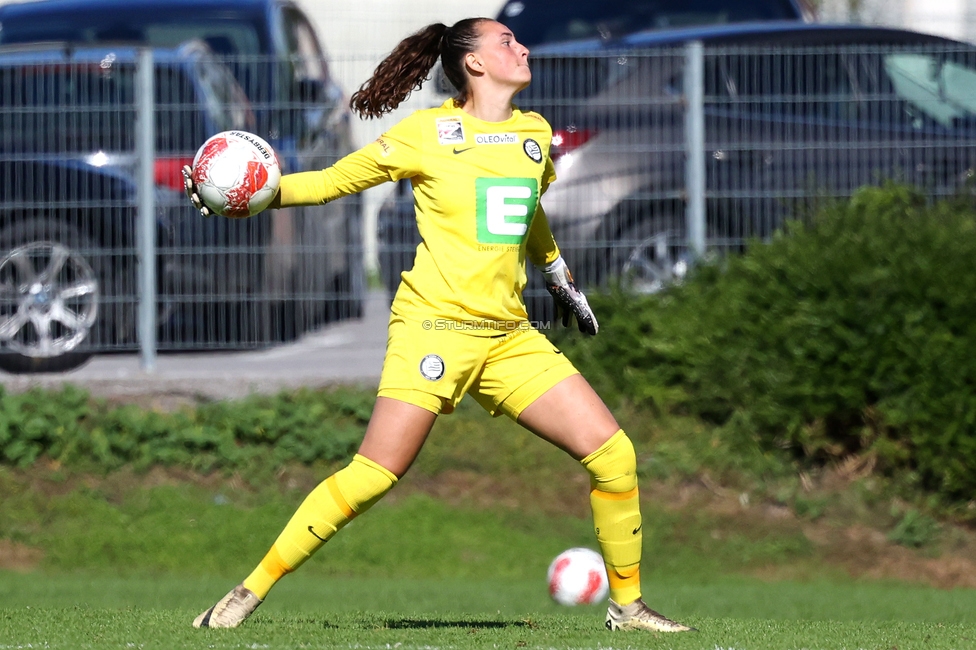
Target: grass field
456 556
42 611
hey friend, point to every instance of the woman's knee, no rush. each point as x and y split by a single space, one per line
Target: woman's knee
613 467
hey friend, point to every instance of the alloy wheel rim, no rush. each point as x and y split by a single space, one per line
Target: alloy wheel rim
48 300
650 266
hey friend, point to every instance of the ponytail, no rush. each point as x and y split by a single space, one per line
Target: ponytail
408 66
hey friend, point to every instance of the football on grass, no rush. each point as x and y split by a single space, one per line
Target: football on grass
236 174
578 577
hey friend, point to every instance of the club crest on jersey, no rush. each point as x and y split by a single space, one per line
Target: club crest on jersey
532 150
432 367
496 138
450 130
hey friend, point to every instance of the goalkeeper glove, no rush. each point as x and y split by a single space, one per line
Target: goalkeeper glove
191 192
569 300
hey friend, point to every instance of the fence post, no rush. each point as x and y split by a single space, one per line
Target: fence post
695 147
146 154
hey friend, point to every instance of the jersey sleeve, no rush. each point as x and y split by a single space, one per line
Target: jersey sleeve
541 247
548 175
394 155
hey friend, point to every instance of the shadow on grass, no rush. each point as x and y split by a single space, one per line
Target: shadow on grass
421 623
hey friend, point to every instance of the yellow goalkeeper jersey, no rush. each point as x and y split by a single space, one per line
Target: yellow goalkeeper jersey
476 189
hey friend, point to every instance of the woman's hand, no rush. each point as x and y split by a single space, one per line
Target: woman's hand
191 192
569 300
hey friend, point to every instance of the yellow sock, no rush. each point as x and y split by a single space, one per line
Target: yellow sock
329 507
616 514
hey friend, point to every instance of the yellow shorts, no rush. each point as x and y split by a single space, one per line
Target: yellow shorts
433 368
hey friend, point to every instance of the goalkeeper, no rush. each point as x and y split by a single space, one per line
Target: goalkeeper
478 167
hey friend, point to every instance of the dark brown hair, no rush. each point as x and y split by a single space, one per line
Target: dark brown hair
409 64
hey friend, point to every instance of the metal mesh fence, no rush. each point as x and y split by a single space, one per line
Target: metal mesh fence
786 129
780 130
775 132
69 206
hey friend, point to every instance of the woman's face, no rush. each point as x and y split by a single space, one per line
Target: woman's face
500 57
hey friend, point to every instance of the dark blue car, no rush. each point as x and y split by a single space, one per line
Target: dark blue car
68 193
543 22
296 267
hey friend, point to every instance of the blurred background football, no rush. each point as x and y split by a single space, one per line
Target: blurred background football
578 577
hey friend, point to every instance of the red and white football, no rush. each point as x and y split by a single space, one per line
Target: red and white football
236 174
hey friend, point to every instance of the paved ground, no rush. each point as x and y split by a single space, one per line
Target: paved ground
347 352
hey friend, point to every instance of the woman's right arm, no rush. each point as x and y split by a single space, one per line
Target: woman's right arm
395 155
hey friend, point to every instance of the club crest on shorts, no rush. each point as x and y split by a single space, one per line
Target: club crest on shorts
532 150
432 367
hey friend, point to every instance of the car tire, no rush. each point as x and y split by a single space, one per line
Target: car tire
50 290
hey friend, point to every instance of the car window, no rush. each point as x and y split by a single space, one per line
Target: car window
942 90
180 112
828 84
780 76
226 37
535 22
223 97
303 47
859 84
190 108
237 40
63 108
53 108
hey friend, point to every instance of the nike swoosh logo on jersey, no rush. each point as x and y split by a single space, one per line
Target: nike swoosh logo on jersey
456 150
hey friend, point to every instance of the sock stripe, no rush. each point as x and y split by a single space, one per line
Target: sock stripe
614 496
623 579
338 498
274 565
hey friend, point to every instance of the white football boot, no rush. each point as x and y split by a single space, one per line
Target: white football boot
638 616
231 610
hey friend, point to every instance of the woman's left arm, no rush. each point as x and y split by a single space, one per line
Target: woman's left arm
542 251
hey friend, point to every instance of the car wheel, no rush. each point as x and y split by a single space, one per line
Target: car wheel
645 260
49 295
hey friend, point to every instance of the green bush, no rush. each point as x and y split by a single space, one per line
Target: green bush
915 530
853 332
68 427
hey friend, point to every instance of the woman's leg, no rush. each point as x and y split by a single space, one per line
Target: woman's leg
394 436
573 417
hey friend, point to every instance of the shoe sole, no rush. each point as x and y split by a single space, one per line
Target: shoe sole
625 627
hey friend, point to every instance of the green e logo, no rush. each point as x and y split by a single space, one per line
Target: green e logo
505 208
